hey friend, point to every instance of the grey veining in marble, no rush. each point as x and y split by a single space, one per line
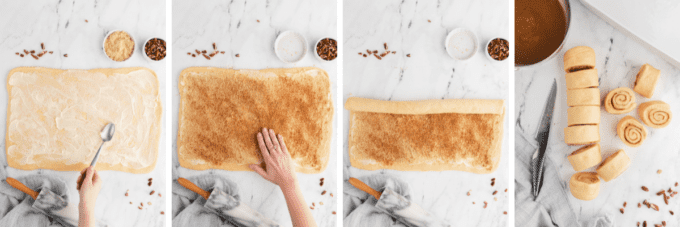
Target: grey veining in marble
62 26
249 28
419 28
618 60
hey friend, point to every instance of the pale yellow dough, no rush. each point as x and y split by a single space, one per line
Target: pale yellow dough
583 97
631 131
582 79
583 115
585 157
582 134
620 101
613 166
579 58
584 185
655 114
54 118
646 80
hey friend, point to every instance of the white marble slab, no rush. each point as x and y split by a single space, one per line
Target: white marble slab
618 61
62 27
234 27
430 74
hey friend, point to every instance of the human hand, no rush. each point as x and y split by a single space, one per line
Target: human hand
89 190
280 166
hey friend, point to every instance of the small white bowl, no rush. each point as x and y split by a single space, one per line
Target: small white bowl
486 50
290 47
461 44
107 37
317 53
144 50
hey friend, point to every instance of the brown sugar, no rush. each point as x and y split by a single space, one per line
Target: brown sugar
119 46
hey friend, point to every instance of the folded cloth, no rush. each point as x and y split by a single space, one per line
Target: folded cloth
16 207
552 206
360 207
188 207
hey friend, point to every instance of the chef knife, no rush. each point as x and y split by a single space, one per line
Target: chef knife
229 207
542 136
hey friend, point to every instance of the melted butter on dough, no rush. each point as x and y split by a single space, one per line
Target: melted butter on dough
56 118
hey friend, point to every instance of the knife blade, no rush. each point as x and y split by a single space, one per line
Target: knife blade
542 135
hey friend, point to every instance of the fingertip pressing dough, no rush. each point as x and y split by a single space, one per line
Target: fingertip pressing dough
620 101
222 110
655 114
428 135
585 157
583 115
583 97
613 166
54 118
582 79
631 131
579 58
646 80
582 134
584 185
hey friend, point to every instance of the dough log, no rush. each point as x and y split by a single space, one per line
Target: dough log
655 114
582 134
620 101
582 79
583 97
579 58
613 166
583 115
585 157
631 131
646 80
585 185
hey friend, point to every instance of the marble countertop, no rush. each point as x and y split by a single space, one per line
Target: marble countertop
235 29
419 28
618 60
63 28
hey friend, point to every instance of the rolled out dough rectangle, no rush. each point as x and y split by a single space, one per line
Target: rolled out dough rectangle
222 110
428 135
54 118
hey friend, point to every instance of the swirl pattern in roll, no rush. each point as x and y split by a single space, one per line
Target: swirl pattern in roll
620 101
631 131
584 185
655 114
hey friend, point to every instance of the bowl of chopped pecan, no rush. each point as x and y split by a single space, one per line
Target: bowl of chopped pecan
498 49
326 49
154 49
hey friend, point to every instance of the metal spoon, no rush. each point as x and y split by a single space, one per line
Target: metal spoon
107 135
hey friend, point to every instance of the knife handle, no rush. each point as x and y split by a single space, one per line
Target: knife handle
191 186
364 187
22 187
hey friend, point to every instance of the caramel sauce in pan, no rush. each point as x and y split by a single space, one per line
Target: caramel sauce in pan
540 28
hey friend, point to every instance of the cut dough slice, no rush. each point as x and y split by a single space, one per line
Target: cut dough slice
582 79
631 131
429 135
613 166
583 97
582 134
620 101
579 58
584 185
646 80
655 114
585 157
583 115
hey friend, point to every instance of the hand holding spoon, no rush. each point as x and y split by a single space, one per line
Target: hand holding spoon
107 135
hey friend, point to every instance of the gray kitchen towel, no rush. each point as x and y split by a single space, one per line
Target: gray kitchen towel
552 206
16 208
188 207
360 207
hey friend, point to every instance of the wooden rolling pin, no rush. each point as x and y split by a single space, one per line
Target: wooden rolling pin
191 186
364 187
22 187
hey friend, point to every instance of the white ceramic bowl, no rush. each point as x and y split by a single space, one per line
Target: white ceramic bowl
290 47
107 37
144 50
461 44
317 53
488 55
